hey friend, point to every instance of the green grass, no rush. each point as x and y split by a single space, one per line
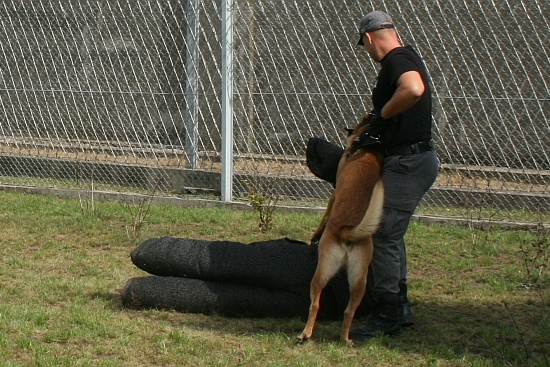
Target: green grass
61 269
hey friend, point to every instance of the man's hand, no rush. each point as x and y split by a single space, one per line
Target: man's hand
376 122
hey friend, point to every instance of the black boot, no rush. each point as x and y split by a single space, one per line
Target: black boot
405 311
385 320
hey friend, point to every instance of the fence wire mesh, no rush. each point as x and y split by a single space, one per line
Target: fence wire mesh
127 94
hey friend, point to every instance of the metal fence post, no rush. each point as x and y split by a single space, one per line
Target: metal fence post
227 101
192 88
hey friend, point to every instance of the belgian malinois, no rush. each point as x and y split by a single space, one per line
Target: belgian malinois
352 215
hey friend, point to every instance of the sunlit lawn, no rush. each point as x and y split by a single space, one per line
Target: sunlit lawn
478 300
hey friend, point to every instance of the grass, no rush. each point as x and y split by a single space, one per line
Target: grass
60 272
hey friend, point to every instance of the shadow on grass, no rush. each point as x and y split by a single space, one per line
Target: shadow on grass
506 334
516 334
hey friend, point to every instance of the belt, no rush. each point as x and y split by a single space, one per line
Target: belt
420 147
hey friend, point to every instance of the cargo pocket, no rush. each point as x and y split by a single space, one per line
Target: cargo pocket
394 223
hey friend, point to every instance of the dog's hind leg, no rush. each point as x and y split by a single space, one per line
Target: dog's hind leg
331 259
359 258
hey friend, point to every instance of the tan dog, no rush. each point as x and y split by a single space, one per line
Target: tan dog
345 232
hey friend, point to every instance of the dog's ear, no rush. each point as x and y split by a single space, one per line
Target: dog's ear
349 131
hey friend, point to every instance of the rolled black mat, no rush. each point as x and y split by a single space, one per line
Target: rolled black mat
211 297
261 279
277 264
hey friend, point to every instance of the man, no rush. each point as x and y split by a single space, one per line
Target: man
403 108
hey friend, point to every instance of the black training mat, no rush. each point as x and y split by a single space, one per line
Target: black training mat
261 279
211 297
277 264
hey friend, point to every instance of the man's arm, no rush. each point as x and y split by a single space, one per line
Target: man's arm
410 88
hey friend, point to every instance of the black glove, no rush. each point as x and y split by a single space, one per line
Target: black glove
376 123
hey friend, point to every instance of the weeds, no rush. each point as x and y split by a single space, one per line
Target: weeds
480 225
138 208
87 203
263 205
535 256
523 339
534 253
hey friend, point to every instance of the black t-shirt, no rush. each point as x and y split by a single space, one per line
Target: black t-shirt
415 124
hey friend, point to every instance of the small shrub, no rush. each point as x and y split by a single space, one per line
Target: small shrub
263 205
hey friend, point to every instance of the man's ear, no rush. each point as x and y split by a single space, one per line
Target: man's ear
369 38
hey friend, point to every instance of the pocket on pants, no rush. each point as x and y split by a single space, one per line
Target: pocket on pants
394 223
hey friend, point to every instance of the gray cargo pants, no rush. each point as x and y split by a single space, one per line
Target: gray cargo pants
406 179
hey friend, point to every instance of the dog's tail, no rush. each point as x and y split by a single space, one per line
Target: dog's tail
371 220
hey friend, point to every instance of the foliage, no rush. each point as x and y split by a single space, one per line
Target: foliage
263 203
535 256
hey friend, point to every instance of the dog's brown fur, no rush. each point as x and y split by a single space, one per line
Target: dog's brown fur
345 232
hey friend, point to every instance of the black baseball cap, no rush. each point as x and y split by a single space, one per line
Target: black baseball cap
374 21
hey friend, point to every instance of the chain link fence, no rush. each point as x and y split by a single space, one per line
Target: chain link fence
128 95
